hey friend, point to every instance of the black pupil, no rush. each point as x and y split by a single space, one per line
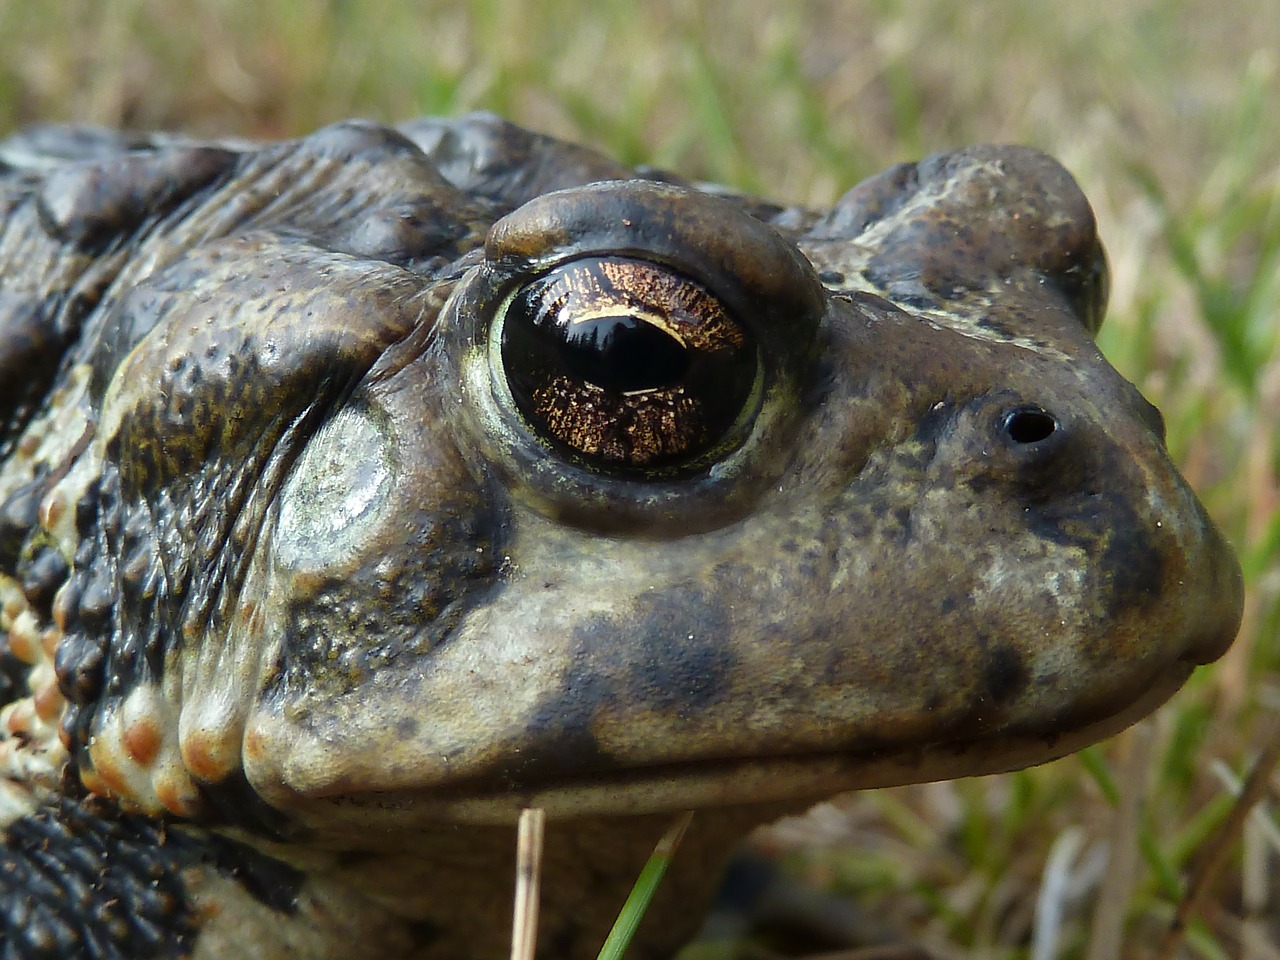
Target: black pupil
623 354
1029 425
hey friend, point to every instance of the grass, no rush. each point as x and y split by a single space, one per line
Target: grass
1168 111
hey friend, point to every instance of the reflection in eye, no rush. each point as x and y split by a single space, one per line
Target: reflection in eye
623 353
627 364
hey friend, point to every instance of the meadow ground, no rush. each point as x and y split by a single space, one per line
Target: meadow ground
1167 111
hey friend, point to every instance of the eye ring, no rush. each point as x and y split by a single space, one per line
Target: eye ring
626 366
761 279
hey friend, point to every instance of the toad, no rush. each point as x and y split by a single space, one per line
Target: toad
362 490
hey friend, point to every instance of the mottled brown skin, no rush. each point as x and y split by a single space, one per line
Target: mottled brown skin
283 554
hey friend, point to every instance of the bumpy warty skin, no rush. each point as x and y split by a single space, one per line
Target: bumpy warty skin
361 490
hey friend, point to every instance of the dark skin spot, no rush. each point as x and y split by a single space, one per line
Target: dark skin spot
903 517
698 677
1132 567
1004 674
678 672
565 744
1136 568
407 727
682 669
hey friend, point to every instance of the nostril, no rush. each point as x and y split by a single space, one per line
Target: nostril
1028 424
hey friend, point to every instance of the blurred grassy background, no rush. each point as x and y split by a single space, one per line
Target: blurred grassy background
1168 111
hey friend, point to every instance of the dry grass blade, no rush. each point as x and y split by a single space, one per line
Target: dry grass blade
1215 851
524 920
1115 893
1254 939
1051 905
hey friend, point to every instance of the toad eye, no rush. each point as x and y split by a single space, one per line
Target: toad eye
627 365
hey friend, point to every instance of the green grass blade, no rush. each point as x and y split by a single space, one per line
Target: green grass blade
624 928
